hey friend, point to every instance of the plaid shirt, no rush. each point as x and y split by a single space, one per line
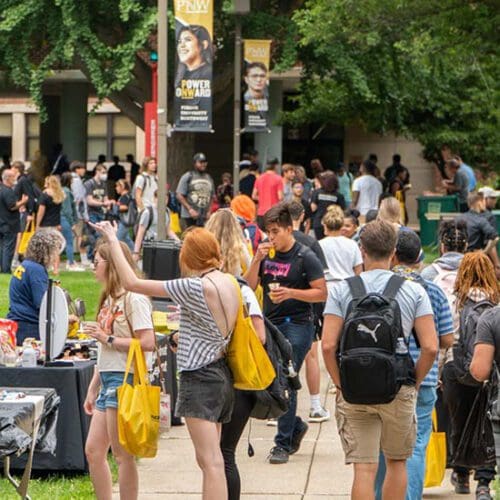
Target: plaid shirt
442 317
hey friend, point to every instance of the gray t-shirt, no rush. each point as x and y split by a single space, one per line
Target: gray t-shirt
152 226
149 185
488 331
412 298
461 180
198 188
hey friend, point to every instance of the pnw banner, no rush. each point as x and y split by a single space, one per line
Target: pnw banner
256 97
193 75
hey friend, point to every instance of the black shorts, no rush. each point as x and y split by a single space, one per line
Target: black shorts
206 393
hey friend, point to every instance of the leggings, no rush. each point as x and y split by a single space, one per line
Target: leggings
230 435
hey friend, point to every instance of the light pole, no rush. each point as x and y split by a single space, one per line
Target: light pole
241 7
162 117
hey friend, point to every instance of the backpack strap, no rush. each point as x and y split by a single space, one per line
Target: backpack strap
393 285
356 286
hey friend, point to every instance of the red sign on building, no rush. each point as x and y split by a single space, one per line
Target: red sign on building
151 128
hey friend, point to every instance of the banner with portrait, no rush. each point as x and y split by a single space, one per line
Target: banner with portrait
193 69
257 54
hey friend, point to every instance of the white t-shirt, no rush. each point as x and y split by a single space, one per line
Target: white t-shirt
411 297
113 321
148 184
370 189
342 255
144 220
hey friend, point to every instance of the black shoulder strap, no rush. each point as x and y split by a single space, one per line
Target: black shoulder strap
356 286
393 286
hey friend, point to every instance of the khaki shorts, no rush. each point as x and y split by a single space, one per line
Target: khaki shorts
366 429
78 228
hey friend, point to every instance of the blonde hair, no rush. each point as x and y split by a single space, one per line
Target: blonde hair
390 210
224 226
54 184
113 286
145 163
333 220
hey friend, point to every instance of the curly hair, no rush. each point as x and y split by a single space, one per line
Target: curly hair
224 226
44 245
453 235
476 272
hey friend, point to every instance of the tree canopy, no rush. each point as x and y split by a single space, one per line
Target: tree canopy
429 70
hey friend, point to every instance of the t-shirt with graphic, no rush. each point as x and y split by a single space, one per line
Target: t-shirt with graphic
199 189
323 200
96 189
113 321
293 269
268 187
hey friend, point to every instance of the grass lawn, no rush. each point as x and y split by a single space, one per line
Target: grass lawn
80 285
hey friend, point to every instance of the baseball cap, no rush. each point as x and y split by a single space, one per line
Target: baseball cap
199 157
489 192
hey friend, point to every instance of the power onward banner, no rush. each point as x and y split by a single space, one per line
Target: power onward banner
194 60
257 54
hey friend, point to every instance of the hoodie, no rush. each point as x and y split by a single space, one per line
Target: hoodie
449 261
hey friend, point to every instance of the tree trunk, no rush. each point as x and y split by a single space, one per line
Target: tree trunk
180 156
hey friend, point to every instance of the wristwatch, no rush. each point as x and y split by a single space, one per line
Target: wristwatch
110 340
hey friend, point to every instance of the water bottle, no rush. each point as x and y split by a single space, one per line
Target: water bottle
401 347
29 358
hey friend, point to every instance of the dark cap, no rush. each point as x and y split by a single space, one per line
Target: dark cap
75 165
199 157
273 161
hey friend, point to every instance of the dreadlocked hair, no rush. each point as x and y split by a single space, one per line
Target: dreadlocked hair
476 271
453 235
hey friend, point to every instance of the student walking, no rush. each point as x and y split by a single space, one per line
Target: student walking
377 416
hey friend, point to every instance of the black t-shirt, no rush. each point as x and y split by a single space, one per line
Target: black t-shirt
313 244
98 191
293 269
52 215
479 230
488 331
26 186
9 219
323 200
247 183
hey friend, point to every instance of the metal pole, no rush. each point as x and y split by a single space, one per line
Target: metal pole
162 116
237 106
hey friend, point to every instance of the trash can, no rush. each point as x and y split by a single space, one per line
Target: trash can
429 210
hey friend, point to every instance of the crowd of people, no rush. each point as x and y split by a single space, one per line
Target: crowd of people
330 262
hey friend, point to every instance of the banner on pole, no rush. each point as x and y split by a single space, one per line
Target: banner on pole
257 54
151 129
193 73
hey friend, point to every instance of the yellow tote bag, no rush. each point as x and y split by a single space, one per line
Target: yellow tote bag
138 408
247 359
26 237
175 225
435 461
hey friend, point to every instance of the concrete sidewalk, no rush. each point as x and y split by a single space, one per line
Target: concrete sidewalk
316 472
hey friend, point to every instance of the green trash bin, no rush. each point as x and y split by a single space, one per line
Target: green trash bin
429 210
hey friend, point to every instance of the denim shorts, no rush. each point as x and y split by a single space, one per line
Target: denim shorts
206 393
110 381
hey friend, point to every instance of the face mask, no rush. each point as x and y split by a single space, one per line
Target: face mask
104 177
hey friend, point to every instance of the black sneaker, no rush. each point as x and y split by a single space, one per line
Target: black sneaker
461 483
483 492
297 438
278 455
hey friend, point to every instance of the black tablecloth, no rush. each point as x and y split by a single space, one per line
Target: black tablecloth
71 385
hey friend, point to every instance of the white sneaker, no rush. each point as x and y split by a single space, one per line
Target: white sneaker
272 422
318 416
75 267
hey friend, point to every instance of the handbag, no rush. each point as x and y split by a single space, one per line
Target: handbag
246 357
26 237
435 459
138 408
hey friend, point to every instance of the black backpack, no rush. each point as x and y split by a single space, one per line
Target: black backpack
374 358
275 400
463 350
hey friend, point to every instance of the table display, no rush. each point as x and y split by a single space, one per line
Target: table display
28 419
70 384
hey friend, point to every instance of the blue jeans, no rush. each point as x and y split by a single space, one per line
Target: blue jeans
93 235
68 236
123 234
301 338
415 465
7 247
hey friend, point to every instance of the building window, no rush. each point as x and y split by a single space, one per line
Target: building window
32 135
110 134
5 135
